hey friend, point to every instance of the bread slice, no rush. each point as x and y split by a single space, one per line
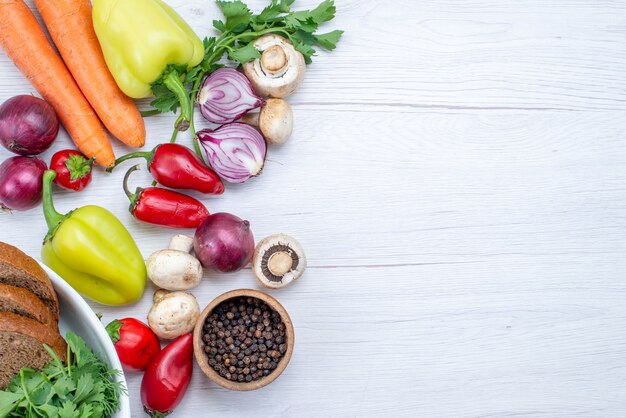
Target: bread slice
24 303
18 269
21 345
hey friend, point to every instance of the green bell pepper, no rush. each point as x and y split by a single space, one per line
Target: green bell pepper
141 40
91 249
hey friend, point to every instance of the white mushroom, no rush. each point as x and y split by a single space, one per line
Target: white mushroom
275 121
175 268
173 314
278 260
280 70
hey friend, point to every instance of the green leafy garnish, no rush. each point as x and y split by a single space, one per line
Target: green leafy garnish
84 388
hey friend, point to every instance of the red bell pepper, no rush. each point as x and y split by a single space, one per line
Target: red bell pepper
177 167
135 343
164 207
167 377
73 169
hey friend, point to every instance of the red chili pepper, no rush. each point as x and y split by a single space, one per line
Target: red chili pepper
164 207
73 169
136 344
177 167
167 377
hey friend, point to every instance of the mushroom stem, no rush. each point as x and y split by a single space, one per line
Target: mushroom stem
280 263
274 61
251 119
159 294
182 243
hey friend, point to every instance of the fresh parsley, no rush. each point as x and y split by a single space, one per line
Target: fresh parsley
84 388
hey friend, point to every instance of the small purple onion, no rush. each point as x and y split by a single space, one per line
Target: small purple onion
235 151
226 95
224 242
21 183
28 125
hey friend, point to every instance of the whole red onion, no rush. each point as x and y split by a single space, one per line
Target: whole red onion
224 242
28 125
21 183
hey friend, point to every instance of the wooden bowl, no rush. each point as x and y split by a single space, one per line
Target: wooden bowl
203 360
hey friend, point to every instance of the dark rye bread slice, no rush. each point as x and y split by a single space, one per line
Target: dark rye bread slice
21 345
18 269
24 303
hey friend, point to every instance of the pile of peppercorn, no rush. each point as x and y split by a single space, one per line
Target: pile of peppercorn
244 339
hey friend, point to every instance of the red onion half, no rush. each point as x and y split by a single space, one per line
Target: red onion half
226 95
224 242
28 125
235 151
21 183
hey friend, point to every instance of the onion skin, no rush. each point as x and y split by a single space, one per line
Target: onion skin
224 242
21 183
226 95
236 152
28 125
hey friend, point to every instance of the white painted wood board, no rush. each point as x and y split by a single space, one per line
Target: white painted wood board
457 177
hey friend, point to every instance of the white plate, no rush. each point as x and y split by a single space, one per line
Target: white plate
77 316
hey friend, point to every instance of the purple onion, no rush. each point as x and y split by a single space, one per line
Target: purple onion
235 151
224 242
21 183
28 125
226 95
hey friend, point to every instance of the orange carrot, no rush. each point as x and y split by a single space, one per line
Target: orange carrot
70 26
24 41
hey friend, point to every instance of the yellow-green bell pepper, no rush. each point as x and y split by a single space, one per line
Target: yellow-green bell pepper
91 249
140 39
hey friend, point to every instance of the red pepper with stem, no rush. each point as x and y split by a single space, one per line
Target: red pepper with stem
164 207
135 343
167 377
177 167
73 169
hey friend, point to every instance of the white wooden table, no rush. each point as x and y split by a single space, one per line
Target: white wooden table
458 179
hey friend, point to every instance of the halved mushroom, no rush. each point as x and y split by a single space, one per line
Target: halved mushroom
275 121
280 70
278 260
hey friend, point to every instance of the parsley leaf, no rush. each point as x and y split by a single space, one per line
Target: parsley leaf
164 99
329 40
8 401
237 15
270 12
245 54
68 410
324 12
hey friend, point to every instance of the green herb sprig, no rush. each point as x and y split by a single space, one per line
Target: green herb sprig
239 29
84 388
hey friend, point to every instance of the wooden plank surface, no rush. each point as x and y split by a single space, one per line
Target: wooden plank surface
457 178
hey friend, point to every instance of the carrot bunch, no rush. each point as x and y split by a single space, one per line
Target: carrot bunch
83 93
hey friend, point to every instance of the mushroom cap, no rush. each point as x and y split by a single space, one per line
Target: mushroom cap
278 260
276 121
174 270
280 70
173 315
